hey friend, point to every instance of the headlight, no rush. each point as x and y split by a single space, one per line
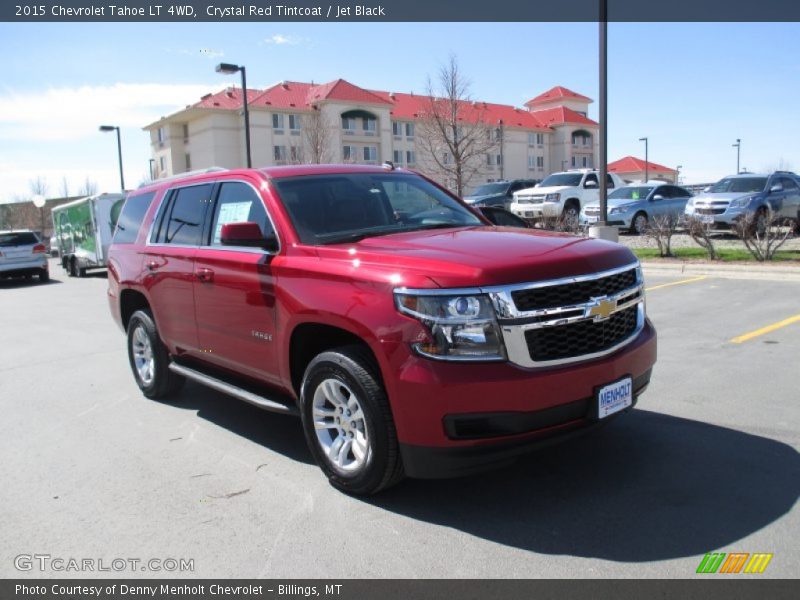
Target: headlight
461 327
741 202
615 210
552 198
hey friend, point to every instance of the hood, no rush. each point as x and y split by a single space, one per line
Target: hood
614 202
474 256
483 197
727 197
551 189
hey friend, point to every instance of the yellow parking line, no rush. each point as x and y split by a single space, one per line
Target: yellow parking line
767 329
663 285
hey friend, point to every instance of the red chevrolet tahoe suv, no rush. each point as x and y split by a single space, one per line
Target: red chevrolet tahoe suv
410 335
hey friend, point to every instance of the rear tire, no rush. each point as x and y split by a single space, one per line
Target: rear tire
149 358
348 422
44 276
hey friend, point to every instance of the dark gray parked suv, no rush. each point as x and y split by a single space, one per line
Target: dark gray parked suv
498 193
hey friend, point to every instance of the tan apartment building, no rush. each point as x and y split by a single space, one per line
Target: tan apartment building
294 122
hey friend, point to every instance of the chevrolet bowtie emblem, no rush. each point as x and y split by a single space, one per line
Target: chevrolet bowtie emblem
601 308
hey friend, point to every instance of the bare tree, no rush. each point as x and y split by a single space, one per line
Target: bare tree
88 187
780 165
64 189
38 186
317 137
453 134
661 229
701 234
763 233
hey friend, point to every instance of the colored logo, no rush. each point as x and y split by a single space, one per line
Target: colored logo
734 562
601 308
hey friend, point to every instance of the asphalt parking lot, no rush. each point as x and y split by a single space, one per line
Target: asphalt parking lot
707 461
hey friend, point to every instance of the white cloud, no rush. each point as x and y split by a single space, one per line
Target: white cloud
285 40
75 113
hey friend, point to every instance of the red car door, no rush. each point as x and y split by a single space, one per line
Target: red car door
235 289
169 265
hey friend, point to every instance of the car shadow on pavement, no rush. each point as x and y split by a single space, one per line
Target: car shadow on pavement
280 433
18 282
646 487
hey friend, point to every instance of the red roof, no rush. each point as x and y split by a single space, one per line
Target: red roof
557 93
230 99
294 95
631 164
560 115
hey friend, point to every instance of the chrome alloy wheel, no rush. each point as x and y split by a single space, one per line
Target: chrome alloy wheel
340 425
143 355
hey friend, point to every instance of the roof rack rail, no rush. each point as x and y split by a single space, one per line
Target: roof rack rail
182 175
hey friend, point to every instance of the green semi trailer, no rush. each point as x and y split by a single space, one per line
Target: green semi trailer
83 229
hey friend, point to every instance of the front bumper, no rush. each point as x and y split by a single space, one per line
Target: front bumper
454 419
33 266
536 211
726 219
621 221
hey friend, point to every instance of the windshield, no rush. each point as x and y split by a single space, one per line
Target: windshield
562 179
639 192
490 188
21 238
739 184
347 207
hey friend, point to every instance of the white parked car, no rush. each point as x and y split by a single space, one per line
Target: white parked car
561 195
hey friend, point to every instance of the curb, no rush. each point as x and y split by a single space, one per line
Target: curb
736 271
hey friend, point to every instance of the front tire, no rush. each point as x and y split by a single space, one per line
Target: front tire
149 358
569 217
639 223
348 423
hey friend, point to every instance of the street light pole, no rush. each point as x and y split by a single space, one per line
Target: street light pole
107 128
229 69
646 160
678 174
738 146
502 161
603 131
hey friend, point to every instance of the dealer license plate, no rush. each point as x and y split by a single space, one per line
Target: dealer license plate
707 219
614 397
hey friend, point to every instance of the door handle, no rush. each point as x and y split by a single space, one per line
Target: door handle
152 265
204 275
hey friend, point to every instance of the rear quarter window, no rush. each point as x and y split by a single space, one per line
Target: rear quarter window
22 238
131 217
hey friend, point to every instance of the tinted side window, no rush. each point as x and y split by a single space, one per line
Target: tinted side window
609 182
590 177
238 202
788 184
184 223
131 217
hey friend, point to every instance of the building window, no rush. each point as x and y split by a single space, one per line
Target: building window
397 129
295 154
540 138
531 162
348 152
294 123
161 135
277 122
411 157
370 153
279 153
349 124
188 162
446 158
162 164
185 132
397 157
585 162
540 162
573 161
369 126
410 130
531 139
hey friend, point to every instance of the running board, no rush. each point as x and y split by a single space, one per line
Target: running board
232 390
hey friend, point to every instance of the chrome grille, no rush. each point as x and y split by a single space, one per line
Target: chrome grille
573 293
581 338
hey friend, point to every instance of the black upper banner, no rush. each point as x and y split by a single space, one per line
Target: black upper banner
223 11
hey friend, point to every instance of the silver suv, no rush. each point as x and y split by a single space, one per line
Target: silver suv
22 254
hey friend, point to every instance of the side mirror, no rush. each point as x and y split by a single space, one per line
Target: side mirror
590 184
778 187
658 197
247 234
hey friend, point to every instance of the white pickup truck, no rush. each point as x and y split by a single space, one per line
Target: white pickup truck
561 195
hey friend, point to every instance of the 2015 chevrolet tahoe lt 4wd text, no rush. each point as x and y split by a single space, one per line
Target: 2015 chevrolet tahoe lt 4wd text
411 336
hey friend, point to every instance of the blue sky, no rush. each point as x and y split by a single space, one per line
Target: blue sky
692 89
